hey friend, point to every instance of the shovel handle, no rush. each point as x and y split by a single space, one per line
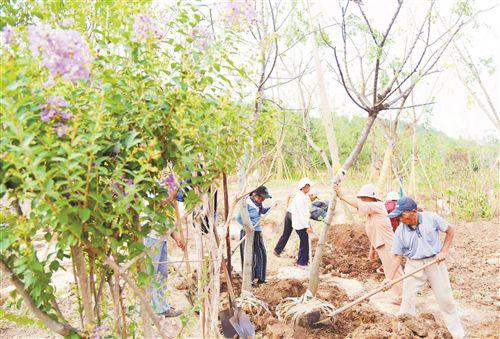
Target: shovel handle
238 244
377 290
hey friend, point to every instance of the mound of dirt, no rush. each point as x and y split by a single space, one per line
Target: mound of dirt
236 281
277 330
365 322
346 253
333 294
403 327
273 292
360 321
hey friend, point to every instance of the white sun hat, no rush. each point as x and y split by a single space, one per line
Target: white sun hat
303 182
367 190
392 195
313 191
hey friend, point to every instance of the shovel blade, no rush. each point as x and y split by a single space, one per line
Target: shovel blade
227 328
242 324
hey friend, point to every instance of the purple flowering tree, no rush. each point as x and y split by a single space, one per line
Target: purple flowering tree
97 100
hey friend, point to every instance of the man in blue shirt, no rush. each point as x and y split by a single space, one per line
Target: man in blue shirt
417 239
255 210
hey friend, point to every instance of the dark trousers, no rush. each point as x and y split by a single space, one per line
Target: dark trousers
287 230
259 264
303 257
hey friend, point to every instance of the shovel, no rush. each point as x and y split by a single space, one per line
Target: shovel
375 291
234 321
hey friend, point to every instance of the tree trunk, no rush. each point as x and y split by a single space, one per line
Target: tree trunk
226 216
318 255
114 290
137 291
180 230
325 106
279 165
413 176
215 250
146 321
386 171
246 285
375 163
83 280
53 325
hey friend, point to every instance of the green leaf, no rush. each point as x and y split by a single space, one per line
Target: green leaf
19 319
84 214
75 228
54 266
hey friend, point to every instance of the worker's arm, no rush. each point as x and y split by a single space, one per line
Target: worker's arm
392 269
372 254
178 240
450 233
266 209
288 198
351 201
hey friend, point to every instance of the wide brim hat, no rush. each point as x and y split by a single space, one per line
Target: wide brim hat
368 191
303 182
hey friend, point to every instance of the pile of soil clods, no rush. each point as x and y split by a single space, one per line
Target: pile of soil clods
346 253
273 292
236 282
333 294
403 327
363 321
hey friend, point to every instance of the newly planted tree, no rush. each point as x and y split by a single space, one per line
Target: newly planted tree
392 78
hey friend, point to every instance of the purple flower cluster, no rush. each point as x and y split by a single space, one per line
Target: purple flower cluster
118 188
238 11
61 129
8 34
68 22
53 109
200 36
168 182
99 332
63 51
144 27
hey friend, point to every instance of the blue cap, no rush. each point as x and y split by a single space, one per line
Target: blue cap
403 204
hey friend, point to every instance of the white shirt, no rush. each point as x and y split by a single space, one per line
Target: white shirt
300 208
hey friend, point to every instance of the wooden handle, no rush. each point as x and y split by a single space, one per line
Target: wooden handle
238 244
377 290
230 290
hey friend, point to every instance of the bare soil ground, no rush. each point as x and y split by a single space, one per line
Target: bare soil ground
473 264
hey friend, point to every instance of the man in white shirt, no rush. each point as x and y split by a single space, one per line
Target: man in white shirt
297 217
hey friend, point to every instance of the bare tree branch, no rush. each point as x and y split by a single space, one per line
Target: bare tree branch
63 329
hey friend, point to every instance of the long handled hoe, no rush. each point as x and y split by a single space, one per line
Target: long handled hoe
375 291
